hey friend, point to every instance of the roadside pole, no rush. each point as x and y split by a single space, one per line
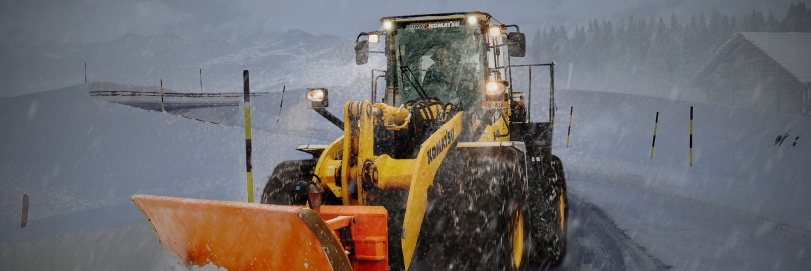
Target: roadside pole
247 111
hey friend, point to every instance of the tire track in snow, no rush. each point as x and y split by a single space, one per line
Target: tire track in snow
596 243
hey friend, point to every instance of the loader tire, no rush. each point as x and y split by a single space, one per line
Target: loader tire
281 186
478 216
550 210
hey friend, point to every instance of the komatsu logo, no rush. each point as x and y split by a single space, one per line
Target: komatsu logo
433 25
441 145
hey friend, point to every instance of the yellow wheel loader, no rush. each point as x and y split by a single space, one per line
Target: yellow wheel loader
445 172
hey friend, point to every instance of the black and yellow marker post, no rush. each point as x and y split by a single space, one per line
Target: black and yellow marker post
281 103
569 133
24 220
247 109
162 109
691 136
652 144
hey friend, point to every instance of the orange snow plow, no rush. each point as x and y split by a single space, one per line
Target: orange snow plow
250 236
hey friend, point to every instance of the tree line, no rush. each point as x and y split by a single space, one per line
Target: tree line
650 56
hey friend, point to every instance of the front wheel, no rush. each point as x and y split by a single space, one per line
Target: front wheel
285 185
478 218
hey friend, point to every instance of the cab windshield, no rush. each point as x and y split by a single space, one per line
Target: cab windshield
445 58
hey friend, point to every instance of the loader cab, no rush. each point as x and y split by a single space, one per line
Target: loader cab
451 57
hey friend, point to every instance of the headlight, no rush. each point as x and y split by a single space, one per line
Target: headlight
494 31
387 25
494 88
318 97
471 19
374 38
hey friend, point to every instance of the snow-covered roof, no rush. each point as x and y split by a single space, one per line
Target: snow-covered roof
792 50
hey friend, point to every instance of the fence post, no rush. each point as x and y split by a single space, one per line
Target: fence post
571 110
247 111
25 212
652 144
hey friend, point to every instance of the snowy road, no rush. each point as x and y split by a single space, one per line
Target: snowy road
595 242
685 234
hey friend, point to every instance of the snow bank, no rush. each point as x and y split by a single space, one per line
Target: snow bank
736 163
79 159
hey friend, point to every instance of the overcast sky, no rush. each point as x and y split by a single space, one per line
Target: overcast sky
80 21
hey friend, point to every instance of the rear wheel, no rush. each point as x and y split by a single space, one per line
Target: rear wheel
477 219
549 213
286 186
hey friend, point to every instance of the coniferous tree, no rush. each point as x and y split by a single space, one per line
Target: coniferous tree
771 24
733 25
537 47
675 27
798 19
650 55
754 22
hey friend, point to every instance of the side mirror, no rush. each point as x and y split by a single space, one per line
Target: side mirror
517 44
361 52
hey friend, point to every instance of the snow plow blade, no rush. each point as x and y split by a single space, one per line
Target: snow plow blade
250 236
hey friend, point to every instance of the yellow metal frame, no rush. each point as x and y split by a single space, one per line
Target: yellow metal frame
431 154
340 167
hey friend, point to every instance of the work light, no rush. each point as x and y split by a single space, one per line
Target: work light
318 97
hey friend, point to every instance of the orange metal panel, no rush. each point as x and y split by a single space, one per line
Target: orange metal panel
238 236
369 234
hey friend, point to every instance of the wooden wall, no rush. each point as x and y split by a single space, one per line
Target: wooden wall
745 77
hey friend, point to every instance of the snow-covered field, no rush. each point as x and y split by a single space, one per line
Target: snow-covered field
741 206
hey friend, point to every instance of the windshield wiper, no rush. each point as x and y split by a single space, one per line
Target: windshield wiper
407 74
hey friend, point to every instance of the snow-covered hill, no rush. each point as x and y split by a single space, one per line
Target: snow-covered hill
79 159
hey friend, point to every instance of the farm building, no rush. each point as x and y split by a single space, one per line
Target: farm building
760 70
